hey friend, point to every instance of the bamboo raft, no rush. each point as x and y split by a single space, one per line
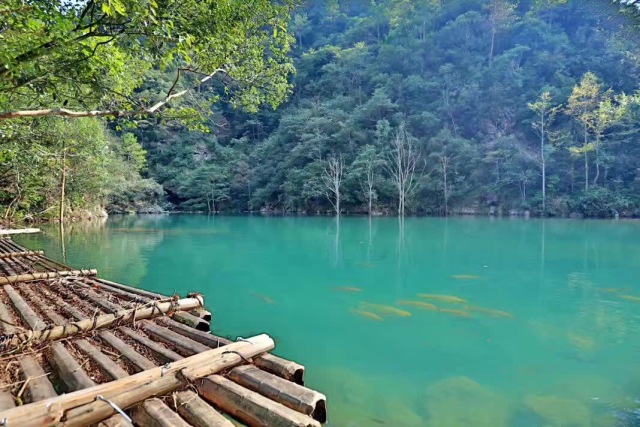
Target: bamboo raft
77 350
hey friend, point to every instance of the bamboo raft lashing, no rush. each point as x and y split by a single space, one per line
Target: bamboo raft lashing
138 350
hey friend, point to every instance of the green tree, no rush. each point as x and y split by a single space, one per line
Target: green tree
59 56
582 106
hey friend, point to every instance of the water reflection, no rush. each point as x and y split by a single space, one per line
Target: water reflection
522 323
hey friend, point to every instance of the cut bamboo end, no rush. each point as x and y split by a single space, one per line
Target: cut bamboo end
286 369
193 321
250 407
292 395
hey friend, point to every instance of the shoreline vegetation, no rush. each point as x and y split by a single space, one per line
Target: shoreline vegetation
479 107
103 216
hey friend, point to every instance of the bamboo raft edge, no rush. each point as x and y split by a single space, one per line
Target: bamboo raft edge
102 352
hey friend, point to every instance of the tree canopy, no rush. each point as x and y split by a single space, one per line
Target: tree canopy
91 58
486 105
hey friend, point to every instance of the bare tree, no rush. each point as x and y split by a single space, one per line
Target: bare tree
368 183
401 165
332 179
502 14
545 115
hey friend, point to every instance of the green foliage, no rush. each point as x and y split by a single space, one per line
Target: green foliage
99 169
98 54
475 114
477 83
600 202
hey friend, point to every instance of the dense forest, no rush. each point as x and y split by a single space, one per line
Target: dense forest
396 106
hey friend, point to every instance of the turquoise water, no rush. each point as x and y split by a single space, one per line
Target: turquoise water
551 337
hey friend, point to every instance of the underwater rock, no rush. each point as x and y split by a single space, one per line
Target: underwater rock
359 400
559 411
460 401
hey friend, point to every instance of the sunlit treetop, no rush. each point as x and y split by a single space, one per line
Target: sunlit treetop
70 57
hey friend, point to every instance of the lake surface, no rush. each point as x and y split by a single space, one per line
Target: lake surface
548 334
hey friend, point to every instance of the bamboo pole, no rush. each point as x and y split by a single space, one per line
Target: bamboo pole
115 421
6 320
20 254
80 408
154 413
287 369
161 352
136 294
167 336
294 396
139 361
4 232
28 315
6 398
48 275
202 313
249 407
102 321
281 390
283 368
42 306
100 300
202 337
111 368
68 369
38 385
48 293
199 413
193 321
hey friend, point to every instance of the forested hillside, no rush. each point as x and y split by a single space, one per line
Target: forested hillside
423 107
493 97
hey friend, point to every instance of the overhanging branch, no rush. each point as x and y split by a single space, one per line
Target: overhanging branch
6 115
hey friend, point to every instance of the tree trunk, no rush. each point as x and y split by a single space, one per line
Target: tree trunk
63 182
446 193
595 178
544 168
586 171
586 160
493 39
